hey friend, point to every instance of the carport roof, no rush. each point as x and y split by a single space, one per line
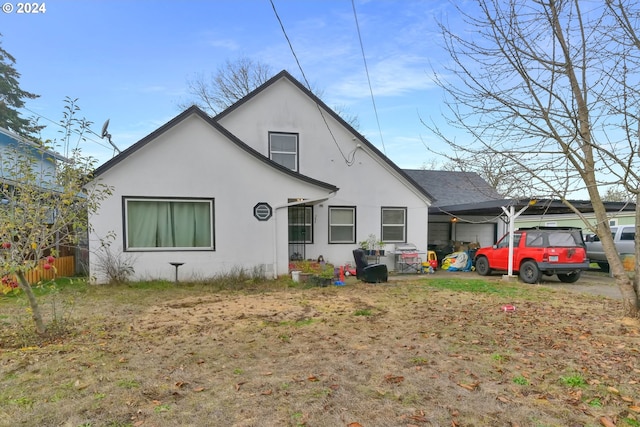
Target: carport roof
541 207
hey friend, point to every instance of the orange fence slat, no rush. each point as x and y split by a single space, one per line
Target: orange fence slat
63 267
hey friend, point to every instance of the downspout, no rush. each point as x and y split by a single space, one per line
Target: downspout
275 225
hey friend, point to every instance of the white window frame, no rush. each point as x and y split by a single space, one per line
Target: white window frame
125 207
332 224
385 238
284 153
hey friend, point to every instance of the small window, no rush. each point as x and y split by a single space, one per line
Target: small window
563 239
628 233
283 149
300 224
394 225
342 225
162 224
504 242
535 240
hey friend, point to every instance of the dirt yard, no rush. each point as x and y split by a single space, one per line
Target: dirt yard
418 351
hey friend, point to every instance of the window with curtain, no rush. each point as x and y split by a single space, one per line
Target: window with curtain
394 225
342 225
156 224
283 149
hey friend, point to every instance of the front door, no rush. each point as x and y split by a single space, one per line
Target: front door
300 231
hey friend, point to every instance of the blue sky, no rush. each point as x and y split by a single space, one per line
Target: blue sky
129 61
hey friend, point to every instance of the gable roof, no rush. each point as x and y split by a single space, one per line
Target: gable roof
285 75
454 187
232 138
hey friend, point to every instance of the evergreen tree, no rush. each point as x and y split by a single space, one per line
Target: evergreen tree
12 98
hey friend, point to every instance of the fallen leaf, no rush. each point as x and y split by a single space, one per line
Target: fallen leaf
606 422
634 408
267 392
239 384
138 423
313 378
395 379
354 425
198 389
613 390
470 387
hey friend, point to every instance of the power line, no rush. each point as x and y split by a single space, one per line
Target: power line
366 69
347 161
78 133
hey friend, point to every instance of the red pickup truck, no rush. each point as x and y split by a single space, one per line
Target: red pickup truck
537 251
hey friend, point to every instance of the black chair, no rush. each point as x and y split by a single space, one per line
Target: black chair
369 273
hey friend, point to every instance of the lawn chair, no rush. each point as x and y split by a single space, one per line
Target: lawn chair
409 262
369 273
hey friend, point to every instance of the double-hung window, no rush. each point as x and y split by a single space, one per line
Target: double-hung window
342 224
283 149
394 225
168 224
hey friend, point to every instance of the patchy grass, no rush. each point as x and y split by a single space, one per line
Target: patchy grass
428 352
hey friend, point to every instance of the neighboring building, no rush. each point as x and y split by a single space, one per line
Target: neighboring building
619 214
12 145
277 176
14 149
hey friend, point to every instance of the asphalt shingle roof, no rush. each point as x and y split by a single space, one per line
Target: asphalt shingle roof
453 187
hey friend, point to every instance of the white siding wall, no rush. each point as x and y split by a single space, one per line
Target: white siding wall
193 160
367 182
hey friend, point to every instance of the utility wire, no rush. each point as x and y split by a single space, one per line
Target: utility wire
366 69
349 162
58 124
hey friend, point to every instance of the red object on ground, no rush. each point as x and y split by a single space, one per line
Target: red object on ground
508 308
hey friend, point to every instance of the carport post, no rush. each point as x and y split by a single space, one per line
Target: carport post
512 215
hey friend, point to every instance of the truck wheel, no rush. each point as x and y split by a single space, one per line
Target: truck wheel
570 277
529 272
482 266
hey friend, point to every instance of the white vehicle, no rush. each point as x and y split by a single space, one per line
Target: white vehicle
623 238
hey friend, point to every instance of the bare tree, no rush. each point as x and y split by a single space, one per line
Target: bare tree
550 88
230 83
236 79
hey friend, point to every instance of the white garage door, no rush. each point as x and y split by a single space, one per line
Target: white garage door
481 233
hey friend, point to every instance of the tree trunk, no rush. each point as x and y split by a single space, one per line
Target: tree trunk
36 315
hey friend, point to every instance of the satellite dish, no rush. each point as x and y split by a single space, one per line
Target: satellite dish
104 129
106 134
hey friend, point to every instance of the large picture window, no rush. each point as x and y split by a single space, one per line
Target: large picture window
394 225
283 149
161 224
342 225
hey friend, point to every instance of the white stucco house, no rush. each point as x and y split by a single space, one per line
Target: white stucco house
277 176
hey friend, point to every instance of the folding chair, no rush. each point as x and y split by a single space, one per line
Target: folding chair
410 262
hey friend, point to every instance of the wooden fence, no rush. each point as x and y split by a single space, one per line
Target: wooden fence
63 267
